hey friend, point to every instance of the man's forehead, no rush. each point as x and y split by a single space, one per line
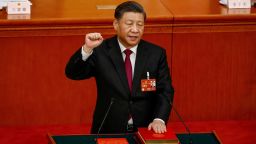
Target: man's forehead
133 16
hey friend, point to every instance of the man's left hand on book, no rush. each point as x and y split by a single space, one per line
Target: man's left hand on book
157 126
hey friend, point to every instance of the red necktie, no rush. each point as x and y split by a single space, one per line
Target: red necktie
128 67
128 70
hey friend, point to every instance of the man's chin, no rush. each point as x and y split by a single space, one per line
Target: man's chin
133 43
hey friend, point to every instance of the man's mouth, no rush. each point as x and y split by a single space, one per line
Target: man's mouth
133 38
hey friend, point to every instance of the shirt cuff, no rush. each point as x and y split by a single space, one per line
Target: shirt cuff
85 55
159 120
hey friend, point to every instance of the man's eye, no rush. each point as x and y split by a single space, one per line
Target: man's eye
140 24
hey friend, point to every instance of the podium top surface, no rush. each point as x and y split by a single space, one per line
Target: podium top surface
199 138
184 138
88 139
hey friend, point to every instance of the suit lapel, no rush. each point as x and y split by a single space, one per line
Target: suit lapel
141 59
117 60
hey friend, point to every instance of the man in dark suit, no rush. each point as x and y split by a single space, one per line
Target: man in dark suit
132 75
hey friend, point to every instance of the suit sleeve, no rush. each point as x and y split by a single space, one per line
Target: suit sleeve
164 91
78 69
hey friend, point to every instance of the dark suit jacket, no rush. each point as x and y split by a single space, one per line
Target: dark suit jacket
107 66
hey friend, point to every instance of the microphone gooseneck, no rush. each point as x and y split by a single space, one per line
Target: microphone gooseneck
183 123
111 102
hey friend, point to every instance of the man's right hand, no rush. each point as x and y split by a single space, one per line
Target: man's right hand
92 40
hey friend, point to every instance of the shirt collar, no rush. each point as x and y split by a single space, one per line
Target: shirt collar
133 49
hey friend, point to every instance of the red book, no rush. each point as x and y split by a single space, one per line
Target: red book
112 141
149 137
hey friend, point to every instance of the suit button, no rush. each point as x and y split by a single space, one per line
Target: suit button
131 102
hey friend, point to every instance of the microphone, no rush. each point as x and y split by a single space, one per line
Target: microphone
111 102
183 123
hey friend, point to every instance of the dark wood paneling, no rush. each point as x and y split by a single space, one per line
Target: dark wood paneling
214 75
213 59
34 89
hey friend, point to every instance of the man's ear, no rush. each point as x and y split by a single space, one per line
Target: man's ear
115 24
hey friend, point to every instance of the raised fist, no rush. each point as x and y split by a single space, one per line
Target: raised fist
92 40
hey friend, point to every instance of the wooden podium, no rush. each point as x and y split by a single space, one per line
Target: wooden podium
89 138
199 138
132 138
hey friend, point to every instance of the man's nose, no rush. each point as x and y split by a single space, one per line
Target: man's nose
134 28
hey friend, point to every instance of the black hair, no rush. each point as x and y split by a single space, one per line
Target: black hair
129 6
